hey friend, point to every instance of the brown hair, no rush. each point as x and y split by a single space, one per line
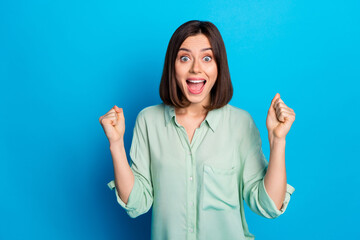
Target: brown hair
222 91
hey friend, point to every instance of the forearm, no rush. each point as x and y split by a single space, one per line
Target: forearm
124 177
275 178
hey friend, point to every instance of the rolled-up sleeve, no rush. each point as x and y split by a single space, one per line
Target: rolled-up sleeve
254 170
141 196
269 204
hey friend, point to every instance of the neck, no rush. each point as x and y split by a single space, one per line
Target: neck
194 109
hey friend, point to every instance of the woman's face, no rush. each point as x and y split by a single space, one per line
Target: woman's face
196 69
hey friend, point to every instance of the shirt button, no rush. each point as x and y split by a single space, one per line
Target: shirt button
191 230
191 178
191 203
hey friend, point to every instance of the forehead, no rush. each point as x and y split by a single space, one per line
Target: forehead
196 41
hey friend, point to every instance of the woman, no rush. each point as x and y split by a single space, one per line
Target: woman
195 158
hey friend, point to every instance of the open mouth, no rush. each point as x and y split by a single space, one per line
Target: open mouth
196 86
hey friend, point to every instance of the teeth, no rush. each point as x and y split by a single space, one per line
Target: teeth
196 81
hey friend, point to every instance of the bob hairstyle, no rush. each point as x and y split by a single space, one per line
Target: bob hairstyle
222 91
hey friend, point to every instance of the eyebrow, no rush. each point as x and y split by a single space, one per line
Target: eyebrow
187 50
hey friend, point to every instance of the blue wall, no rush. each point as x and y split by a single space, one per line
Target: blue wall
63 64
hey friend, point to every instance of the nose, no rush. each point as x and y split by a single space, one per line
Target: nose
195 67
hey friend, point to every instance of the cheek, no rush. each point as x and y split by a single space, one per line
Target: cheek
179 72
178 77
212 71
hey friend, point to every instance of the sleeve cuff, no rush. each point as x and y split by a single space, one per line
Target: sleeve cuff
133 197
268 204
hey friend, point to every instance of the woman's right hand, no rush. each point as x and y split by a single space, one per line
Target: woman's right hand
113 123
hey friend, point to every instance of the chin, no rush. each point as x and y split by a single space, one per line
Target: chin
196 99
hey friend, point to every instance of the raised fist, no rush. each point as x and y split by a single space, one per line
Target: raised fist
113 123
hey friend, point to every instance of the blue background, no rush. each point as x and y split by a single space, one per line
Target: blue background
63 64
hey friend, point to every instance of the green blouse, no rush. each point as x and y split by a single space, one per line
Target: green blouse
197 190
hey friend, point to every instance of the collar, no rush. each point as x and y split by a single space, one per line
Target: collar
212 117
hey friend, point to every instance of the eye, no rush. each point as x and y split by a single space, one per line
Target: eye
184 58
207 58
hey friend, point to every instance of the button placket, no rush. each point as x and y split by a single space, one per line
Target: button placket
191 194
190 149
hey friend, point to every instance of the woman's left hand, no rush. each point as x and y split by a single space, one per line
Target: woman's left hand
279 119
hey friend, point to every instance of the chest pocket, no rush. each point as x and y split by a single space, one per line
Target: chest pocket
221 191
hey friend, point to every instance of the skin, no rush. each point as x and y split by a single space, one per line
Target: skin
113 123
278 122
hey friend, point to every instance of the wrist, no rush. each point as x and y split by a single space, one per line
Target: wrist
276 141
117 144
